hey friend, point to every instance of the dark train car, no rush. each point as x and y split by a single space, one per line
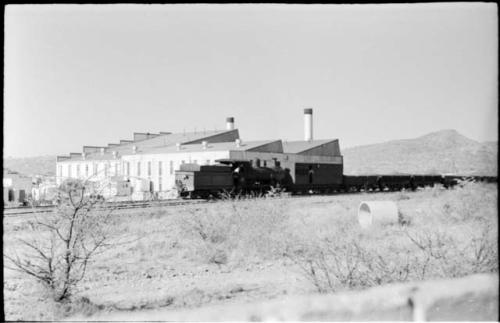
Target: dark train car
426 180
232 176
363 182
389 182
250 176
318 177
194 180
395 182
486 179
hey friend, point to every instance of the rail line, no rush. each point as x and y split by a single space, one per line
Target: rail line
25 210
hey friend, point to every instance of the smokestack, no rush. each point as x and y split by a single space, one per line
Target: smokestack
230 123
308 124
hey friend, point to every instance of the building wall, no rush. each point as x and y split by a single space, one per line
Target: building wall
170 162
143 169
91 170
127 167
286 160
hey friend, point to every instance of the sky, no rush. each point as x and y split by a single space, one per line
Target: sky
79 75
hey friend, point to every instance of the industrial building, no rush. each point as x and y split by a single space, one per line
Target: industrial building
145 166
16 187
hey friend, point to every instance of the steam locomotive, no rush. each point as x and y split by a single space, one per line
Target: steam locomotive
244 176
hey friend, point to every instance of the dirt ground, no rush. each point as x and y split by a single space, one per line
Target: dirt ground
166 265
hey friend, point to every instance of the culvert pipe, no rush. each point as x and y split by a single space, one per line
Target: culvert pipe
377 212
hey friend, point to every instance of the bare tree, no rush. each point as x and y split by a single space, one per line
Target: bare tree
63 242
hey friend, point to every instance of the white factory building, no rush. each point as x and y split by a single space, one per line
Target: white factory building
145 166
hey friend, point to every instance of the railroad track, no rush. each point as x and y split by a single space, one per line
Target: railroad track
16 211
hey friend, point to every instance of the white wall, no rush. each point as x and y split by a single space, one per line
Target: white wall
168 175
96 169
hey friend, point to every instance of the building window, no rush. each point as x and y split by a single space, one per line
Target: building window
149 168
94 168
59 171
195 161
171 167
182 162
128 168
105 170
265 163
159 168
69 170
86 170
159 184
138 168
207 162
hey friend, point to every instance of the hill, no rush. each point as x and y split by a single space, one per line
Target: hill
29 166
445 151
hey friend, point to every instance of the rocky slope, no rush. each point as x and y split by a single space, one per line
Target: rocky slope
445 151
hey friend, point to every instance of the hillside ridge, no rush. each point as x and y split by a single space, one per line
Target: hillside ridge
439 152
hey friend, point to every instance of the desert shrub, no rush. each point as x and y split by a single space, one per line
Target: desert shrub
236 229
424 245
470 201
480 254
402 196
79 305
434 254
333 264
63 243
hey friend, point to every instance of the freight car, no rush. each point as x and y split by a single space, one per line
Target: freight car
244 176
232 176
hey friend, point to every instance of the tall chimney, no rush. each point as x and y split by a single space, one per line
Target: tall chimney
230 123
308 124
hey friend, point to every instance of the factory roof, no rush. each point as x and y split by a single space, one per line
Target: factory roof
171 139
153 141
296 147
216 146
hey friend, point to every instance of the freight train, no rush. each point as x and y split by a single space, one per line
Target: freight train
244 177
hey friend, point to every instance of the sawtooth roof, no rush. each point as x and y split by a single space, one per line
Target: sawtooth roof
159 141
216 146
296 147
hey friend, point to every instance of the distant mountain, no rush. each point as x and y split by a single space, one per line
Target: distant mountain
29 166
445 151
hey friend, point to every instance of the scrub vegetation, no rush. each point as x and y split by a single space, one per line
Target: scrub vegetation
256 248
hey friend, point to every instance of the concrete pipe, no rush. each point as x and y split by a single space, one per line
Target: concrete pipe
377 212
